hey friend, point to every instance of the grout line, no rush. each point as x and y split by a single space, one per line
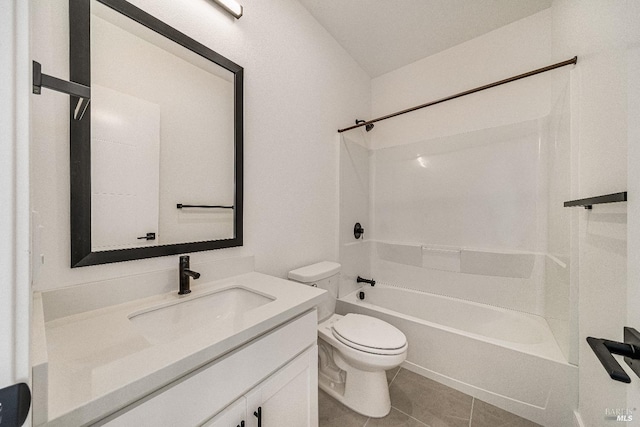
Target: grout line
394 377
413 418
473 400
366 422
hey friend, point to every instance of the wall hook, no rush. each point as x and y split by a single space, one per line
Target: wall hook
358 231
70 88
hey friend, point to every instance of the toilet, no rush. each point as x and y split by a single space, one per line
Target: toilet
354 350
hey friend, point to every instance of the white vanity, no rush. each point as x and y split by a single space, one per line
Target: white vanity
241 349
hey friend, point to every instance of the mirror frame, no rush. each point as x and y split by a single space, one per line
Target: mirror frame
80 139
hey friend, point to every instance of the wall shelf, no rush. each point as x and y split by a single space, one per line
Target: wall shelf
589 202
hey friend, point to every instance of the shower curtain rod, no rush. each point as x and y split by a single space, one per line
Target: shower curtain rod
573 60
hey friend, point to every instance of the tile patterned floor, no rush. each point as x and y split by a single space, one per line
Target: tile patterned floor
417 401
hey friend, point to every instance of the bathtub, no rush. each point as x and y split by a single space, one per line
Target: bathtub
504 357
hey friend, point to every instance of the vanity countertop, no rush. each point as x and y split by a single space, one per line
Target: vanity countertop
99 362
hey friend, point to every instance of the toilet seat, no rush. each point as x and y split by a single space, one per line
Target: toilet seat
369 334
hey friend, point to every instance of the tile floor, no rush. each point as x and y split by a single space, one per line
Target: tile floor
417 401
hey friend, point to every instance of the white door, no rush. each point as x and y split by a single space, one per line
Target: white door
288 398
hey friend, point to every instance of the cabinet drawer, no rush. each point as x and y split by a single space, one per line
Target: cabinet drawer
198 395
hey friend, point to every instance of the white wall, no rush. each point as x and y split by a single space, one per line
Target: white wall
605 36
300 86
633 206
513 49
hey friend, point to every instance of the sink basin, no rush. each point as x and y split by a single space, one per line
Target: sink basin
173 320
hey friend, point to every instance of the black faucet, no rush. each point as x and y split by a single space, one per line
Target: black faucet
185 273
369 281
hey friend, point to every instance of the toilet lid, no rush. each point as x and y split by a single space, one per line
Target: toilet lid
367 333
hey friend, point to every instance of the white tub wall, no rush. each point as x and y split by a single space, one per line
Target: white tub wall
354 207
300 86
495 188
478 189
482 192
516 294
557 290
434 186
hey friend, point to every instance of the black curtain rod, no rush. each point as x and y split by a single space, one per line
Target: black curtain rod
573 60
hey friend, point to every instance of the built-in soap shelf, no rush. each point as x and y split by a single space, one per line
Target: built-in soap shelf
459 260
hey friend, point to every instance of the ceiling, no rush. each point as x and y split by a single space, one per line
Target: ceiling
383 35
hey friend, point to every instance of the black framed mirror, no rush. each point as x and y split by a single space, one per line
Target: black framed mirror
157 159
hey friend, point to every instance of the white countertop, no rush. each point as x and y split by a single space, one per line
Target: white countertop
98 362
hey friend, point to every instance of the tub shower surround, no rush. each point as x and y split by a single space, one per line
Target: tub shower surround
469 244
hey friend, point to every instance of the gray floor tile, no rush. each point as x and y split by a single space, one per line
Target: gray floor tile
392 373
430 402
334 414
486 415
394 419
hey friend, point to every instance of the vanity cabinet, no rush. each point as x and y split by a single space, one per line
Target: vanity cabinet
276 372
232 416
287 398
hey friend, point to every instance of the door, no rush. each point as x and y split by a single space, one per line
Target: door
288 398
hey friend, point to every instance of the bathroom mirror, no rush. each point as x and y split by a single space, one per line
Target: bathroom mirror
156 161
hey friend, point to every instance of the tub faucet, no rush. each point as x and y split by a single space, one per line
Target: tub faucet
185 274
369 281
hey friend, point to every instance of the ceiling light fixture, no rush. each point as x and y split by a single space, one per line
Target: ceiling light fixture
231 6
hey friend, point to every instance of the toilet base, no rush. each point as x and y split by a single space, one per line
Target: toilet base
364 392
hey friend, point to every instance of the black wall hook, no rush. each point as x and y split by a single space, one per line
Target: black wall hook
83 92
358 231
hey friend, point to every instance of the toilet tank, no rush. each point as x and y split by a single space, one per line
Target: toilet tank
325 275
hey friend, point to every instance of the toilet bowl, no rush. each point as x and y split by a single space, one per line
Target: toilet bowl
354 350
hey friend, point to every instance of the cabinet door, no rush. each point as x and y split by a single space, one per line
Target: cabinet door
288 398
232 416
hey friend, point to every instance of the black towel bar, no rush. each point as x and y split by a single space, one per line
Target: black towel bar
180 206
589 202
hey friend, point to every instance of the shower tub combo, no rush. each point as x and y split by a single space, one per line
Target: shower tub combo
504 357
